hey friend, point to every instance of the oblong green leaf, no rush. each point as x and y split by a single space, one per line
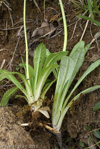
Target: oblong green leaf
78 58
65 71
97 134
38 61
41 81
80 44
8 95
88 90
89 70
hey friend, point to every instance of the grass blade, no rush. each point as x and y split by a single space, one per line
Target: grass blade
96 7
90 19
90 8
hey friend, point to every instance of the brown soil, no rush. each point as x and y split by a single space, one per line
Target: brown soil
11 133
81 115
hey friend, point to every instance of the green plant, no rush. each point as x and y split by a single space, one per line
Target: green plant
92 143
93 139
35 84
88 6
81 6
91 7
69 67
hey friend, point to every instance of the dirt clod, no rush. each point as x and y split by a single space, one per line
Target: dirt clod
12 135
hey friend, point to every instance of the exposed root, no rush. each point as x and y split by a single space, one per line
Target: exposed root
51 130
55 132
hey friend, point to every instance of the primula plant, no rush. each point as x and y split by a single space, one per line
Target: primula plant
35 81
36 86
69 67
63 99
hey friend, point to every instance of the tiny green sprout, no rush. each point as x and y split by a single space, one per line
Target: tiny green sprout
82 144
97 106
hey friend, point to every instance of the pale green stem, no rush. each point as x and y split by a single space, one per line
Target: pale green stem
26 43
65 25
